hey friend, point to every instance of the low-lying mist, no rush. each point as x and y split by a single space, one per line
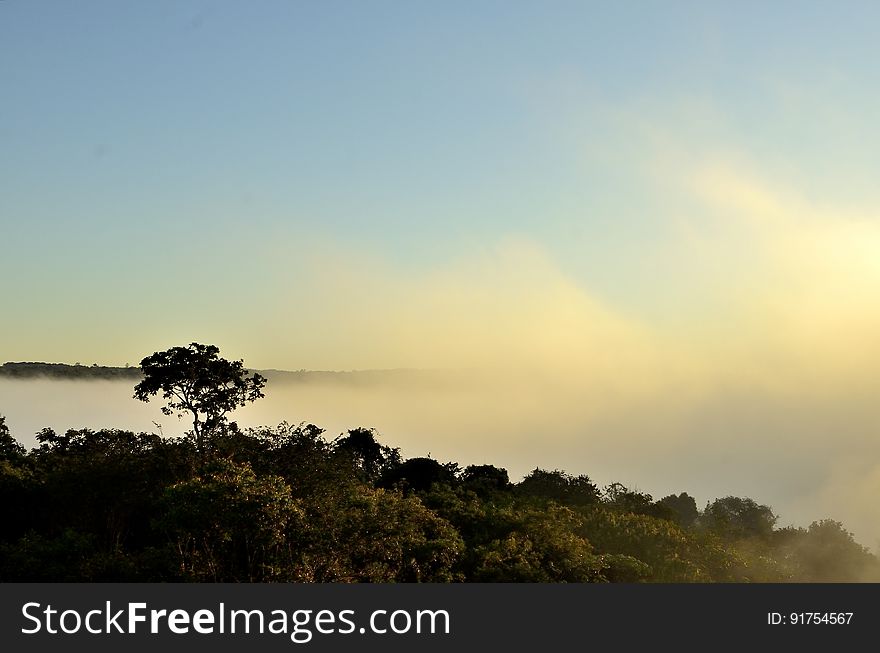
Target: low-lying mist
773 449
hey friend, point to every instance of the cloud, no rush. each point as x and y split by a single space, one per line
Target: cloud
820 273
763 391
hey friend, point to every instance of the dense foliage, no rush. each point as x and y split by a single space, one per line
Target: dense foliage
287 504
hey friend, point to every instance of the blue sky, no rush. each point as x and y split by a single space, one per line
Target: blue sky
165 159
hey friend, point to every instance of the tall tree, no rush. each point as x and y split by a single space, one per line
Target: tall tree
10 449
738 517
195 380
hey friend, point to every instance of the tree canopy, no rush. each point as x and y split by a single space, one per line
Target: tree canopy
195 380
286 504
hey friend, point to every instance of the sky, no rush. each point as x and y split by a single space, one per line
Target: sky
664 214
249 173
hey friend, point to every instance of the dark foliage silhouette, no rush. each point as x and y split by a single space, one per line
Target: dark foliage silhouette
195 380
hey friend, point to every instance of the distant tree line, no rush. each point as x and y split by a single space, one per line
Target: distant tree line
287 504
78 372
64 371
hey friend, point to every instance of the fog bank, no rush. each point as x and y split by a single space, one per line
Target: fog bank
774 449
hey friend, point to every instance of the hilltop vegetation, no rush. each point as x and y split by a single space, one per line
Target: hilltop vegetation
64 371
287 504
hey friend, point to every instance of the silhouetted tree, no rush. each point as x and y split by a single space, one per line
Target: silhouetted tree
682 509
369 456
196 380
738 517
560 487
16 486
10 449
419 474
619 497
484 479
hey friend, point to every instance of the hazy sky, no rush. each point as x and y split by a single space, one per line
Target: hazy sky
650 231
281 177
